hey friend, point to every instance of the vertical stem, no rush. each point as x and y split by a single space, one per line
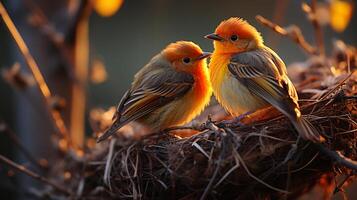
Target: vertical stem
81 57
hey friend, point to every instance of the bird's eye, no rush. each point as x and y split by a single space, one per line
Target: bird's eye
234 38
186 60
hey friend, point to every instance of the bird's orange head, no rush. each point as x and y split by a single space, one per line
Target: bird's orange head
186 56
235 35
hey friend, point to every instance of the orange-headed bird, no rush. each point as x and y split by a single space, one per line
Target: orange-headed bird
246 75
172 89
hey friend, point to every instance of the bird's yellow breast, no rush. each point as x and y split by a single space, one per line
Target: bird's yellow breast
230 93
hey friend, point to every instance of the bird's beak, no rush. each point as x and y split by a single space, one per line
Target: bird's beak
214 36
204 55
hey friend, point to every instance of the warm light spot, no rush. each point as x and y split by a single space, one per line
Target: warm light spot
340 69
178 137
305 7
63 144
80 153
107 8
101 119
43 162
108 115
341 13
98 72
67 175
334 71
91 143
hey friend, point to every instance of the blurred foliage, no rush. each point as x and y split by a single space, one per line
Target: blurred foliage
341 13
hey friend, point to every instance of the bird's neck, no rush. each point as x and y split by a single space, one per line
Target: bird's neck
218 67
201 77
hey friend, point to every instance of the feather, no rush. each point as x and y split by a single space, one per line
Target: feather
264 74
156 85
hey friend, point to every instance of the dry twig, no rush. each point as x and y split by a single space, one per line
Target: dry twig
32 174
31 63
13 137
293 32
338 157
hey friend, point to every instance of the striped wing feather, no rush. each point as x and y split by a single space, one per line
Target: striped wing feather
264 75
157 87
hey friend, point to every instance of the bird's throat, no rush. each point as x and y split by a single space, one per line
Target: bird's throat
218 69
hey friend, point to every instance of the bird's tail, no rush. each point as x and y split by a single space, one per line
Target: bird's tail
306 130
111 130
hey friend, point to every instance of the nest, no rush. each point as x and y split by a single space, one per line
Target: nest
229 161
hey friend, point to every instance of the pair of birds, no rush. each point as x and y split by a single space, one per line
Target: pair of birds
245 75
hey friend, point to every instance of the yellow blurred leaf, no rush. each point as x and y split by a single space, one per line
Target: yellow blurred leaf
341 13
107 8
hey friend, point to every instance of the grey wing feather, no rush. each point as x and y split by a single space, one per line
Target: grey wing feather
121 104
259 72
158 85
264 74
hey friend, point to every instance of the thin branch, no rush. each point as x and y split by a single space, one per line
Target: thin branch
337 157
108 165
13 137
293 32
210 125
307 164
32 174
31 63
280 9
256 178
336 87
76 64
236 166
339 186
196 127
39 20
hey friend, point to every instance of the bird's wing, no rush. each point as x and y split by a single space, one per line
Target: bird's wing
156 88
261 72
153 91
